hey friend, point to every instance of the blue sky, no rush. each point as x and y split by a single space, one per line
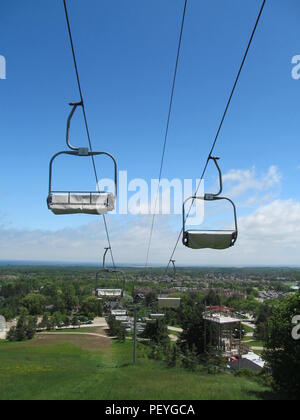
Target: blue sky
126 53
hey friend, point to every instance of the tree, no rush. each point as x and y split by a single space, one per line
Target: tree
173 357
157 333
116 329
190 359
193 327
57 319
45 322
264 314
156 352
75 322
25 329
31 327
21 332
34 303
213 299
69 297
11 335
215 361
121 334
282 350
90 307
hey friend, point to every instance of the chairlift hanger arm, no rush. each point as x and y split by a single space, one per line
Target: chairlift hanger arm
74 107
104 257
216 162
174 268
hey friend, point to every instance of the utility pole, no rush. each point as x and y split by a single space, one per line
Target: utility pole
240 341
135 336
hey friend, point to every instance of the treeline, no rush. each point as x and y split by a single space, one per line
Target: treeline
54 296
276 324
25 329
190 352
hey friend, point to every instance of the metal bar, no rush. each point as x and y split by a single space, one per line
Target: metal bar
215 160
75 153
216 198
74 105
135 337
104 256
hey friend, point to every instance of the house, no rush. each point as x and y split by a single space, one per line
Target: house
250 361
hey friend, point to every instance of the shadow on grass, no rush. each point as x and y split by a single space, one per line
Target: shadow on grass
268 396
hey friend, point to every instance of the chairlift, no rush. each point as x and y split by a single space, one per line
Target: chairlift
74 202
210 239
104 271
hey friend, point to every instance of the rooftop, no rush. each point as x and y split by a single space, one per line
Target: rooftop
221 319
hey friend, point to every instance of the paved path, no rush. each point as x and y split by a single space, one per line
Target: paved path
175 329
173 338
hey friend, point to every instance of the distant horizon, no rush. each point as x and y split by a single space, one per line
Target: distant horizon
4 263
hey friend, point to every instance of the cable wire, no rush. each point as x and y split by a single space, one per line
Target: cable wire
86 121
167 128
222 122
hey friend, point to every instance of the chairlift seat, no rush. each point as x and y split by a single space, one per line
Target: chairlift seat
210 239
81 203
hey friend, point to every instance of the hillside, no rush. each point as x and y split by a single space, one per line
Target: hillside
83 367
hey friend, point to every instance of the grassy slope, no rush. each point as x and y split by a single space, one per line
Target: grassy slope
64 371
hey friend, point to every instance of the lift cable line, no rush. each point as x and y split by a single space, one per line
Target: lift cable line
167 128
220 125
82 103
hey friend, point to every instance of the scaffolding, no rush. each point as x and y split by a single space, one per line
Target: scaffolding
223 332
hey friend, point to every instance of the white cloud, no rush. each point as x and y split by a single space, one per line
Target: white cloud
239 182
268 236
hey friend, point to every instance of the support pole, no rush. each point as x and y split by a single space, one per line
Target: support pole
240 340
205 337
135 336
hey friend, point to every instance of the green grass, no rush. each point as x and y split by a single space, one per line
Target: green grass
78 330
257 344
63 371
248 329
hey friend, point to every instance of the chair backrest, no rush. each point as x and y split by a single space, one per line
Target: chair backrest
80 154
